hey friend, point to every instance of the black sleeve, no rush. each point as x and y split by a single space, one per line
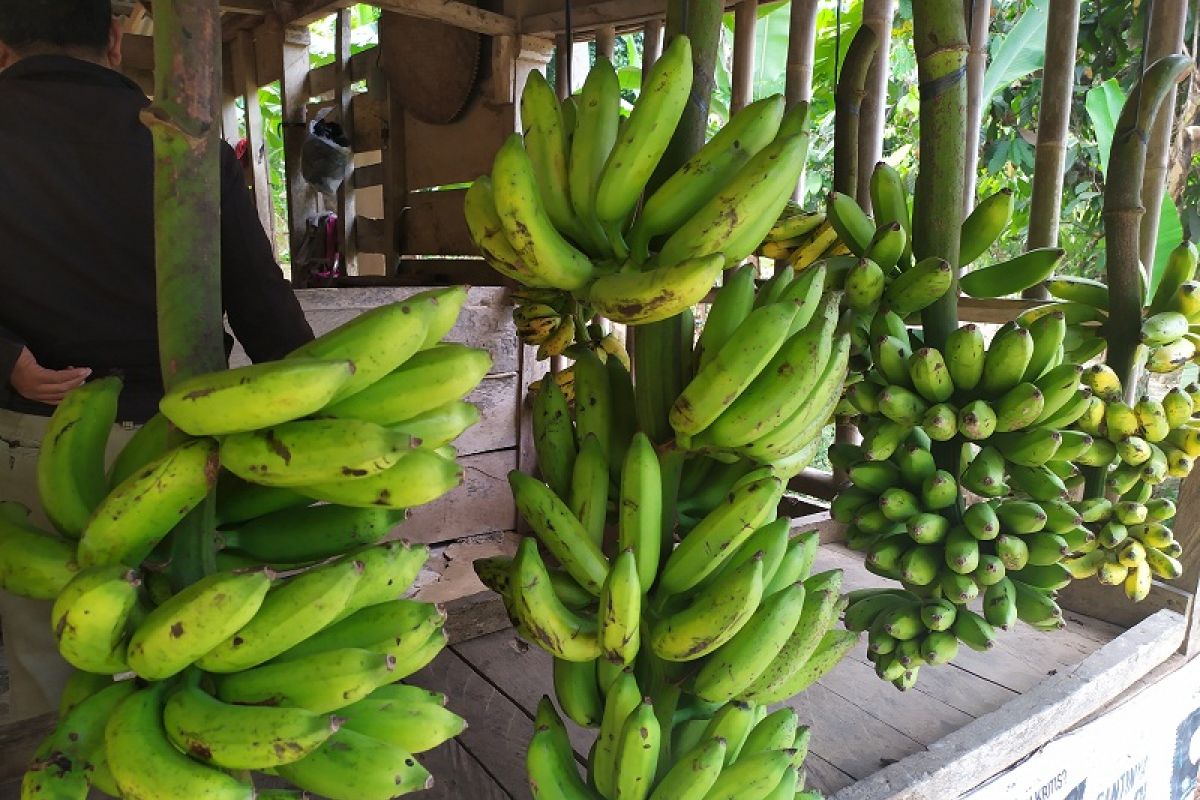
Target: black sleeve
262 308
10 350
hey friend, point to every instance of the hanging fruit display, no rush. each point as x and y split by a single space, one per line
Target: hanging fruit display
288 658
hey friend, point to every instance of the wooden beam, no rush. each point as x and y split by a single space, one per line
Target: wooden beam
368 175
323 79
294 99
302 13
596 15
256 7
451 12
344 93
745 22
994 741
246 85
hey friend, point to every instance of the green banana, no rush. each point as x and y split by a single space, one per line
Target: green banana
622 698
833 647
1048 334
965 355
889 201
620 610
397 628
640 510
310 533
417 477
733 303
137 514
1007 358
546 144
593 139
487 232
351 766
442 425
713 616
578 691
634 297
559 530
409 717
637 758
918 287
321 682
557 629
1180 268
817 617
1079 290
91 616
1012 276
855 229
554 437
694 773
552 772
984 225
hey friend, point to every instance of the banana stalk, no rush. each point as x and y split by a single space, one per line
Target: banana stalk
848 97
183 124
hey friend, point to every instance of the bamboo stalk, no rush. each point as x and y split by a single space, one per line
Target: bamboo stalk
183 122
980 13
745 23
652 35
1058 82
606 41
878 15
848 99
802 42
1123 212
1168 21
940 40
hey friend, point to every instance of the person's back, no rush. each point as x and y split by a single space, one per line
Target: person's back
77 266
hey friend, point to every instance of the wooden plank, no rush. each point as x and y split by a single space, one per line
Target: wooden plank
833 718
823 776
993 312
368 175
434 224
259 8
370 234
242 50
595 15
301 199
1187 529
1109 604
498 731
996 740
745 21
432 271
482 504
461 151
305 12
449 578
18 740
343 93
458 774
462 15
524 672
323 80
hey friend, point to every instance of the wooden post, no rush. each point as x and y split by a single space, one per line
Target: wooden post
562 55
1168 20
877 15
979 14
294 99
606 41
184 125
1187 529
246 84
802 42
1058 81
652 36
347 216
745 23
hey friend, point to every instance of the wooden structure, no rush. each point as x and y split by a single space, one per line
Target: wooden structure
400 217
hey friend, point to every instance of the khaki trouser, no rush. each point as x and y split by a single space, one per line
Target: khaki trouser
36 672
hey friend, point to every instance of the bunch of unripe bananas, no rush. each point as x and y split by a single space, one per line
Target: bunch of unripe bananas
1168 340
740 753
287 658
561 207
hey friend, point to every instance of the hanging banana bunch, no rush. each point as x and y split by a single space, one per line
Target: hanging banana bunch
288 658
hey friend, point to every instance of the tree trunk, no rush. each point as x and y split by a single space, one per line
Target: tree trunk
979 12
1123 212
1058 81
878 15
1168 21
940 40
183 122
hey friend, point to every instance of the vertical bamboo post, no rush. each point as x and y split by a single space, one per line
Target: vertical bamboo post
344 93
562 56
293 93
606 41
848 99
1123 212
802 42
652 36
703 21
940 40
878 15
1168 21
745 24
980 13
183 122
1058 82
246 84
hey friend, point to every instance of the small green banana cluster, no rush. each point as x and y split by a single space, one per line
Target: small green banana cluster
736 751
241 670
565 207
801 238
1168 339
768 370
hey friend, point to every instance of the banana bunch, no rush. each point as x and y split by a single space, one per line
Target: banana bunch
565 211
1131 545
244 669
736 751
801 238
545 318
1168 340
768 370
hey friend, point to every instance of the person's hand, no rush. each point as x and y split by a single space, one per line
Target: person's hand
50 386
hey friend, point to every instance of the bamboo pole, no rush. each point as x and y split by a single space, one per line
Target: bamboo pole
1058 82
606 41
979 13
1168 21
703 27
652 36
802 42
347 210
878 15
183 122
745 24
940 40
1123 212
848 99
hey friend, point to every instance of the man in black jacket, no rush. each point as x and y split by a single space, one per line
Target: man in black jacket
77 264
